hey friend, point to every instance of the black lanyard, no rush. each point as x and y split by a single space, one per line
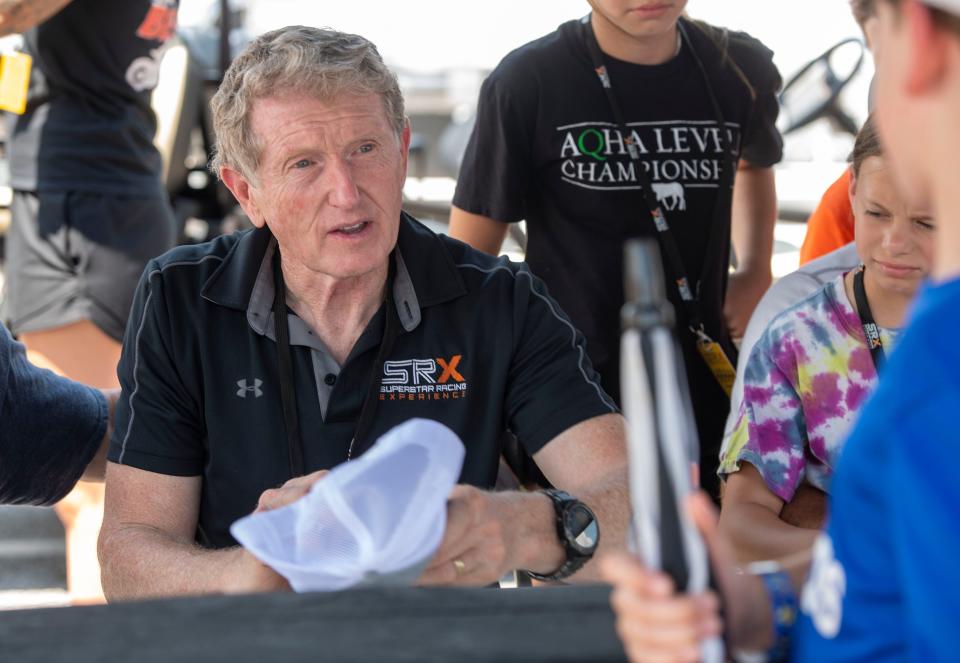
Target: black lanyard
870 328
665 236
288 397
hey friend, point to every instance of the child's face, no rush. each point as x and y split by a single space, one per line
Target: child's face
894 240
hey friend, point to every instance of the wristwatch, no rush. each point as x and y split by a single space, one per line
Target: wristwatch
577 530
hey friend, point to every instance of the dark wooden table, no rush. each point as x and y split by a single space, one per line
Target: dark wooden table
553 624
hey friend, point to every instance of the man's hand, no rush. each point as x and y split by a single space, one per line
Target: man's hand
744 291
290 492
490 534
248 574
147 543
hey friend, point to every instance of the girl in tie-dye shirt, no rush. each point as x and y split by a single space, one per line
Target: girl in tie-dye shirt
811 371
805 382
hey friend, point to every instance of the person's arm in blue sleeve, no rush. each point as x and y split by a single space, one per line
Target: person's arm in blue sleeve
51 430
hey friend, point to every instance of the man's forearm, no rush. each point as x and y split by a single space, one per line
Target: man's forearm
139 562
21 15
610 502
536 530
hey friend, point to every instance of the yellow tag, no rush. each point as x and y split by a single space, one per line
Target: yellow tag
14 81
718 363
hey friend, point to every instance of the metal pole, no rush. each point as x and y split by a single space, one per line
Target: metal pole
225 54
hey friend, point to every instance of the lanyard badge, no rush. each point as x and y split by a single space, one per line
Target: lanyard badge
717 361
870 329
14 81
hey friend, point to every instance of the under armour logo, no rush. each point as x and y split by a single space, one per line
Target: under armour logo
245 389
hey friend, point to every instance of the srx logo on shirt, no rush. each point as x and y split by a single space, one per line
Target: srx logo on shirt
423 379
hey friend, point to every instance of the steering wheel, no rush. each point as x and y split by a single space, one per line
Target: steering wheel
813 91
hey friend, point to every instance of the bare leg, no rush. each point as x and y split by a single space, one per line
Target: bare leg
81 352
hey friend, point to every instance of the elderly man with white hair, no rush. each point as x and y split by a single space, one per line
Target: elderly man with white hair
271 355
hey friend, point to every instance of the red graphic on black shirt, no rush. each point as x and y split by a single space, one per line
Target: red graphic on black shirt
160 21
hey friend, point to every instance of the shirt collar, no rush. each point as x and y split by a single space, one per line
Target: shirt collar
425 275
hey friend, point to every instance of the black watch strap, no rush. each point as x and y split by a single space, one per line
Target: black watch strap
576 558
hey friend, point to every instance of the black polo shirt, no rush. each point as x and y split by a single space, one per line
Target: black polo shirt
481 348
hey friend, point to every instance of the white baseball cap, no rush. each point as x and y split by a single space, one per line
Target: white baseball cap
376 520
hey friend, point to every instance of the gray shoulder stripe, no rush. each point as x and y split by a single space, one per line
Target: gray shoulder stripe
136 345
551 305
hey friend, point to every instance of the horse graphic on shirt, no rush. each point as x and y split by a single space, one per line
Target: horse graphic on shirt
670 195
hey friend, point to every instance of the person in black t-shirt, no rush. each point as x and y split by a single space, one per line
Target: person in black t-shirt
546 148
89 208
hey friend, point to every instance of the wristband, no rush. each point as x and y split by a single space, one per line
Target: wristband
783 606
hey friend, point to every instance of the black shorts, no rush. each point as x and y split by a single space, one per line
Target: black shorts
73 256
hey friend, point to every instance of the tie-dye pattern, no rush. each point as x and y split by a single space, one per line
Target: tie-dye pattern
805 381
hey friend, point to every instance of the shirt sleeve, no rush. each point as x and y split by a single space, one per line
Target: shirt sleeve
159 423
50 429
497 166
771 431
830 226
552 385
762 144
783 294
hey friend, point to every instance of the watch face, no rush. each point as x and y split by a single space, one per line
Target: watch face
582 530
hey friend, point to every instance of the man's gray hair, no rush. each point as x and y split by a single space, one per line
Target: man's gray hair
294 60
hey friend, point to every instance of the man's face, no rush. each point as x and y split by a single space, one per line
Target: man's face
330 181
640 18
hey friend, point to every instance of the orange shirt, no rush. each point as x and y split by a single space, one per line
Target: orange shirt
831 224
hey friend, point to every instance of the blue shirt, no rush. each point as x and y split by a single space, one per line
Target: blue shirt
50 428
885 581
